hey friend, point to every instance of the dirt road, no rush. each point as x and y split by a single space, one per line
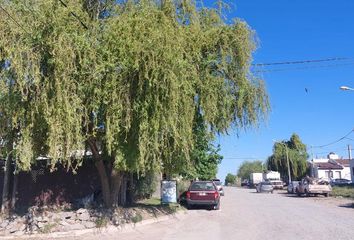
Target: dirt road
248 215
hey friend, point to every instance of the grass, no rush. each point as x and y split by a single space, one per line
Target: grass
47 228
151 201
102 221
137 218
347 192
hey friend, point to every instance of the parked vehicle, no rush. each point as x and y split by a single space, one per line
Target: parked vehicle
219 186
292 186
274 178
265 187
277 184
313 186
203 193
245 183
340 182
255 178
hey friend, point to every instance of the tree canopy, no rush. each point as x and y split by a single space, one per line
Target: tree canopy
248 167
230 179
123 80
298 156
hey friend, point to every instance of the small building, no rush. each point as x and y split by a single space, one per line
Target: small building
331 167
352 169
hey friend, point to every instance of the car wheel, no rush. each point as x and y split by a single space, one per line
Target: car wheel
307 194
326 194
189 206
271 192
217 206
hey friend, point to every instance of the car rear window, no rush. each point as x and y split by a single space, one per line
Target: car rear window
204 186
218 183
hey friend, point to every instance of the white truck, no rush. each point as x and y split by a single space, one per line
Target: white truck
274 178
313 186
255 178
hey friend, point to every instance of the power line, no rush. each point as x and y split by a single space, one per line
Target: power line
302 68
74 15
331 143
299 62
13 19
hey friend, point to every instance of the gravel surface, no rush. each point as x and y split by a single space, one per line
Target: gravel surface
248 215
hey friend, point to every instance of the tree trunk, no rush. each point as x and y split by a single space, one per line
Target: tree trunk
102 172
14 191
104 183
116 180
5 190
123 191
6 186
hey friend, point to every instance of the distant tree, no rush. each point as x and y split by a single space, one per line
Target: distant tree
230 179
297 157
248 167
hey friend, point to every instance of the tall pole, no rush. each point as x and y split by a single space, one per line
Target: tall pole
349 152
287 159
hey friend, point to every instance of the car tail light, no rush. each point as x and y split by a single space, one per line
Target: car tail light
216 194
188 195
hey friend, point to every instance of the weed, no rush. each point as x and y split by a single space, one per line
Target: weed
101 222
137 218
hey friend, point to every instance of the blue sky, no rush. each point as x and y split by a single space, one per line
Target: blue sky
292 30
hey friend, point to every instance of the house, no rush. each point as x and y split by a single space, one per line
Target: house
331 167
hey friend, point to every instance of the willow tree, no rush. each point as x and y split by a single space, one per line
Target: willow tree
297 155
124 81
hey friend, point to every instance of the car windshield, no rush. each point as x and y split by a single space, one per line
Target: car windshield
218 183
202 186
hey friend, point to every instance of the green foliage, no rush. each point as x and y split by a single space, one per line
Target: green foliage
248 167
145 185
130 80
347 192
102 221
230 179
137 218
297 153
204 155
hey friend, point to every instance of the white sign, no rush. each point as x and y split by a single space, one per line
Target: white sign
168 191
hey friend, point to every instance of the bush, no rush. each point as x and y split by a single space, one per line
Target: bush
145 185
347 191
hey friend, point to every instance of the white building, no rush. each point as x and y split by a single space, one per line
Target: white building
331 167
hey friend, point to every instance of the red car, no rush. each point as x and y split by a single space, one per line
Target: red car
203 193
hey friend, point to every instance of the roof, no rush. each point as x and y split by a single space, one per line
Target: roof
343 162
328 165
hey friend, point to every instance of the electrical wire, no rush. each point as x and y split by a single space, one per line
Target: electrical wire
13 19
302 68
331 143
300 62
74 15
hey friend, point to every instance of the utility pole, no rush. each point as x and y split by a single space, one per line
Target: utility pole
349 152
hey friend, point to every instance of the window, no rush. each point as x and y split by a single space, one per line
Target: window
328 174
